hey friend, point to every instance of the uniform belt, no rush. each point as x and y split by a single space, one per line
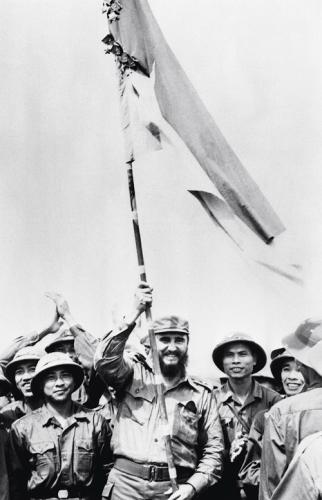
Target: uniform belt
61 493
150 472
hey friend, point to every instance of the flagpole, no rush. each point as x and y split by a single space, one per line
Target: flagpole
155 357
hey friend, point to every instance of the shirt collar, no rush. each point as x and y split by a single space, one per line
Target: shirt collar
256 392
77 415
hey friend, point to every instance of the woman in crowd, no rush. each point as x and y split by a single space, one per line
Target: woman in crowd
288 376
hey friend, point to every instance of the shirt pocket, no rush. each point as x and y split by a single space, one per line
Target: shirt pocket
84 455
185 423
138 404
43 459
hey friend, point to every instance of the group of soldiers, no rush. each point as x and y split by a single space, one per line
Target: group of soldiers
82 420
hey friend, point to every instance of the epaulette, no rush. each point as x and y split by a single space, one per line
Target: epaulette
202 382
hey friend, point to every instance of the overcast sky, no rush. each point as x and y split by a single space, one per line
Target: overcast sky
64 208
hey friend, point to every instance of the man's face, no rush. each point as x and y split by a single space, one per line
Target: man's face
58 385
238 360
292 378
172 348
23 375
67 347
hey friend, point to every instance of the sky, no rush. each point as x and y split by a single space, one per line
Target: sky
65 222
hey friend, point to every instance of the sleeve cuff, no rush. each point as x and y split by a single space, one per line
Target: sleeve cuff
198 481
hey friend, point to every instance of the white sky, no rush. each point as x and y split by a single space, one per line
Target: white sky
64 209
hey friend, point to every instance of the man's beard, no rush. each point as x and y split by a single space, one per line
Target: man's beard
174 370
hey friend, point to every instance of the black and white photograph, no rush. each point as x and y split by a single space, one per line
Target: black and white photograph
161 250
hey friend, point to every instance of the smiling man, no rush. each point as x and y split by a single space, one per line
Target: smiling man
239 400
140 469
20 372
61 449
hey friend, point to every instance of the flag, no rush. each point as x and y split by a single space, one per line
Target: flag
139 46
268 257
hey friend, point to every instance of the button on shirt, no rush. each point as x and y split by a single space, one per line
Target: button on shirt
46 457
195 430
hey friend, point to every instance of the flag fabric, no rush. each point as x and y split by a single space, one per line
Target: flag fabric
268 257
139 45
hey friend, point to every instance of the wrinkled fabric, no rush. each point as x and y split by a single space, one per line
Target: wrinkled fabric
303 478
195 430
260 398
90 392
15 410
250 470
140 36
45 457
287 423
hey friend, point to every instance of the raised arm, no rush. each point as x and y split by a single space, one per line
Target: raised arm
111 364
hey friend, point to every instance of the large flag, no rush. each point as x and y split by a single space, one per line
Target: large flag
139 45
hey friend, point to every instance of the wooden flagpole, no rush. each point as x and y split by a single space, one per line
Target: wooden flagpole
155 357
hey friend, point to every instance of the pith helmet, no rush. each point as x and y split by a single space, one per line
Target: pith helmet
234 338
279 357
22 356
171 324
305 344
55 360
65 336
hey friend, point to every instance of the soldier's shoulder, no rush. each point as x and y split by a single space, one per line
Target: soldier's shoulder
271 394
203 382
11 406
29 419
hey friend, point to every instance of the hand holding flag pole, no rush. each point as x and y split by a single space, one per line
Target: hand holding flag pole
155 358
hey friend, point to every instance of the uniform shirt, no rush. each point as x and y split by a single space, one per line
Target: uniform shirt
195 430
260 398
303 478
287 423
44 457
15 410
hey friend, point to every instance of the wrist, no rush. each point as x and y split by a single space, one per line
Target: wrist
69 320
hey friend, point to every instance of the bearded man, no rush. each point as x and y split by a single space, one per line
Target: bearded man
140 469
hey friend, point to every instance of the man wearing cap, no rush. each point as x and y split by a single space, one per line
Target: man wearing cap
20 372
80 345
290 421
239 400
61 449
140 469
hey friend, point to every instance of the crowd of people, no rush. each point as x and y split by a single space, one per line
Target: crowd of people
83 419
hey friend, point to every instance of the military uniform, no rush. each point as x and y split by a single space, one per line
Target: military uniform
140 469
49 461
236 415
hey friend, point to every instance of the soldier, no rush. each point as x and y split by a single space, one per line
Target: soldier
61 449
140 469
239 400
20 372
290 421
